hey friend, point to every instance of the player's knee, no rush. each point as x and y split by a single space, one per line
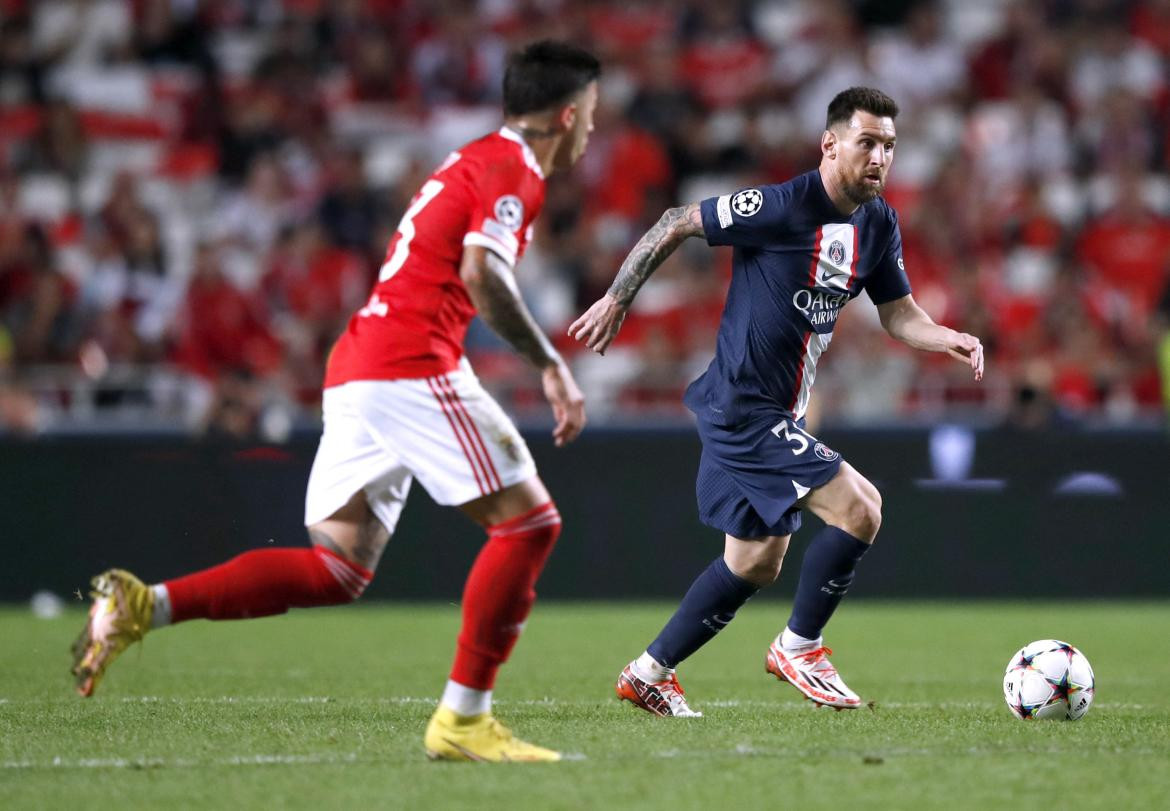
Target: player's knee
761 572
863 517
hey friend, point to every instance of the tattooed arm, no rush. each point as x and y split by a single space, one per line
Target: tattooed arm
493 291
492 287
601 322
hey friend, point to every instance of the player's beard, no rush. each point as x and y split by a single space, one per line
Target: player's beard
860 192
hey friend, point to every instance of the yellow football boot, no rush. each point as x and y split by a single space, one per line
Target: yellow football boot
478 737
120 616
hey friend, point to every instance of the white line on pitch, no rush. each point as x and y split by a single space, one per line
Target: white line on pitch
179 763
546 702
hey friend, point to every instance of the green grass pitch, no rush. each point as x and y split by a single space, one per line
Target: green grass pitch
326 708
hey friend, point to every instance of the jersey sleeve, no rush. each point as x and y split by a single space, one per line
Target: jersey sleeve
500 213
888 280
750 217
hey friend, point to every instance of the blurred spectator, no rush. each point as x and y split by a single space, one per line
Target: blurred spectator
723 62
1128 247
309 291
1109 60
60 145
460 63
219 330
80 33
21 70
376 68
350 210
917 64
249 221
34 300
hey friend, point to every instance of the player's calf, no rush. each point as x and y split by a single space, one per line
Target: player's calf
264 582
500 592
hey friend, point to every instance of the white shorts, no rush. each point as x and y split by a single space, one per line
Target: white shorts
380 434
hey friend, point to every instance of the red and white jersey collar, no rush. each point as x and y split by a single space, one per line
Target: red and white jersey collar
529 155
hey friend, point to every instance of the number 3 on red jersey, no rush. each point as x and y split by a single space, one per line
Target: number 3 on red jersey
406 229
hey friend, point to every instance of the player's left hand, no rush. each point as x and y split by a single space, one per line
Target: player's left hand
599 325
969 350
567 401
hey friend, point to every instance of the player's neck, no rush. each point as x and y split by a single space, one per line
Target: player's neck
836 195
542 138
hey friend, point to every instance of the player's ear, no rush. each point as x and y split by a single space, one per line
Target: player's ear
567 116
829 144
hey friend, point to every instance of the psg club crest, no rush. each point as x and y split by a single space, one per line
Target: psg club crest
747 202
825 452
509 211
837 252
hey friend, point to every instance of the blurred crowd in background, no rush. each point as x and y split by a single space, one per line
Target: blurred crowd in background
196 194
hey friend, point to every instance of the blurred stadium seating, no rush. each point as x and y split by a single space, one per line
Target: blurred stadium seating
194 195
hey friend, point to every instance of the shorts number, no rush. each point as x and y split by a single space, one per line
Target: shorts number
406 229
791 432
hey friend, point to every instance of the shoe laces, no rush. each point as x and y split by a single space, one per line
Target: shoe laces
817 660
672 692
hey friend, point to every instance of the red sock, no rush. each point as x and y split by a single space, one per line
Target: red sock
265 582
499 593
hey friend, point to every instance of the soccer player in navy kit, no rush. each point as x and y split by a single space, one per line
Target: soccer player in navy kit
803 249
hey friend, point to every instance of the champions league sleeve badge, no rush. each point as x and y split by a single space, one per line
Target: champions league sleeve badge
747 202
509 211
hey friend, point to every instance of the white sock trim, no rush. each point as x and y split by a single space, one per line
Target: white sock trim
790 641
161 615
463 700
647 668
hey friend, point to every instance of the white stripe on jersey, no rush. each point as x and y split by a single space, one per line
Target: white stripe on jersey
835 267
529 155
492 244
497 230
817 344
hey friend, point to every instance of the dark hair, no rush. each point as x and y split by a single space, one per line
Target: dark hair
545 74
866 99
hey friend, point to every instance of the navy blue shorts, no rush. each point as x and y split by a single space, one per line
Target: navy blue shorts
752 474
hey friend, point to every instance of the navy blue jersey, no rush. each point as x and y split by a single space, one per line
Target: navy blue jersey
797 262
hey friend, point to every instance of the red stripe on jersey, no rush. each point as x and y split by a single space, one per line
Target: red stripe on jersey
489 466
816 258
800 373
853 264
812 282
458 436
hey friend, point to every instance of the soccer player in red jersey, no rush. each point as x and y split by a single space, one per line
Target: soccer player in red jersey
402 402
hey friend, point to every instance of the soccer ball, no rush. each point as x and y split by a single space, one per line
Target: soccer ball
1048 679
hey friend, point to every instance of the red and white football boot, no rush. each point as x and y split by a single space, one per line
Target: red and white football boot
811 672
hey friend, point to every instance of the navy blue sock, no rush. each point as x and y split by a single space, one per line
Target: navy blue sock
825 576
710 603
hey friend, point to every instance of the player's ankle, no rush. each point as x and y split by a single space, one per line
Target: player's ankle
465 701
647 668
791 641
160 615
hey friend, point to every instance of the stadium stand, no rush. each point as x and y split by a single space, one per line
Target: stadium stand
195 195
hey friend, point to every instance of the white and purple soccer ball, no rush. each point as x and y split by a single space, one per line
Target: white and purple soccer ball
1048 679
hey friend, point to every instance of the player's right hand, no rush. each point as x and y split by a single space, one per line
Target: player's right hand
567 401
599 325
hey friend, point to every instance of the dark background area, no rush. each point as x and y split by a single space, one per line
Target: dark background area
70 507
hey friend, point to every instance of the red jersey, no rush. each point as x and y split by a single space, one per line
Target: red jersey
487 193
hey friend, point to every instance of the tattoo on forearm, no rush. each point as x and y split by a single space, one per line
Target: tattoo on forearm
499 304
675 225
